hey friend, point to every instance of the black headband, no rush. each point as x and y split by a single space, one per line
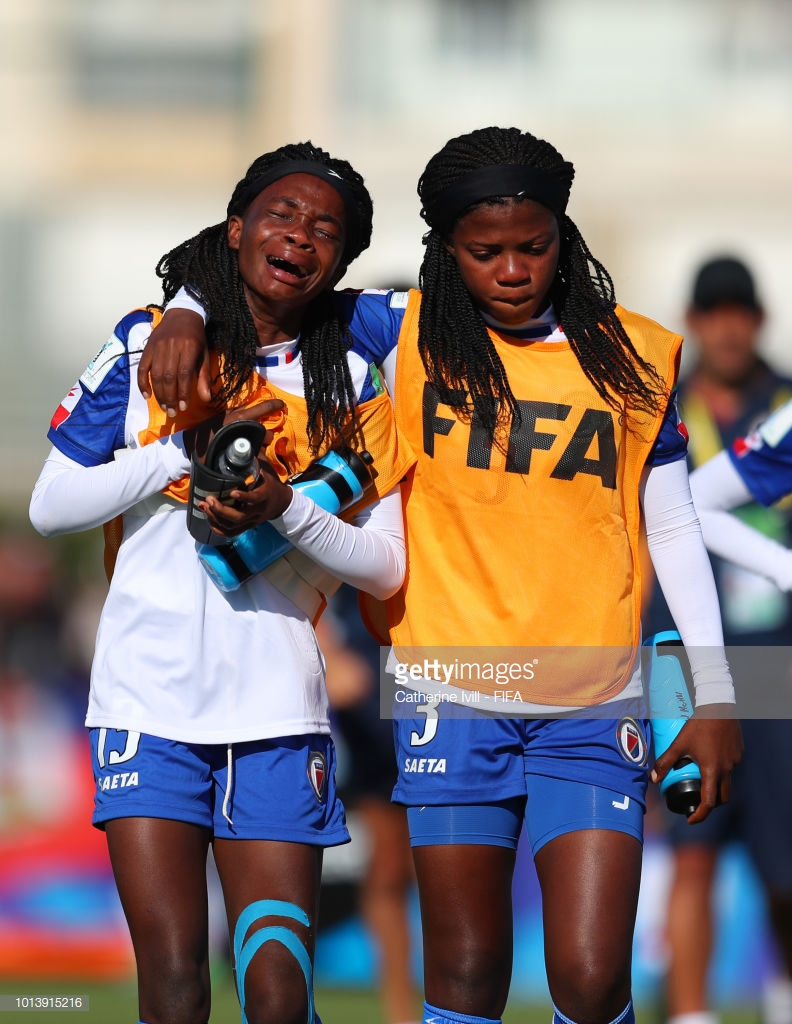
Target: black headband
240 203
495 181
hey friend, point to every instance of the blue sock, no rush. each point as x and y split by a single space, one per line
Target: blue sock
434 1016
627 1016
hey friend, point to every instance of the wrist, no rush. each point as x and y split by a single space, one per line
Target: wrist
287 497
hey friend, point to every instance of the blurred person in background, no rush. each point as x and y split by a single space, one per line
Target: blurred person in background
730 388
366 777
42 675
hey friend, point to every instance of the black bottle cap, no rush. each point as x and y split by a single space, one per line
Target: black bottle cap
684 796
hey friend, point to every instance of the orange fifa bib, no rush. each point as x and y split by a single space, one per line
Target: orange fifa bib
529 540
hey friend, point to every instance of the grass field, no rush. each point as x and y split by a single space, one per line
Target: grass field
117 1004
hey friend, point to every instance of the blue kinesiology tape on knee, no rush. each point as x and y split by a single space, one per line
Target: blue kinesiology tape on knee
265 908
244 951
287 938
627 1016
434 1015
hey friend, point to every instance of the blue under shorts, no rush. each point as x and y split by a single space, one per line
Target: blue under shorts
280 789
469 776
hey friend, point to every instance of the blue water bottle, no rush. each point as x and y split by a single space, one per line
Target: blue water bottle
670 707
334 481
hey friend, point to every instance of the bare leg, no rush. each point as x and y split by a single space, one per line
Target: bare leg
466 916
253 870
160 871
689 929
590 881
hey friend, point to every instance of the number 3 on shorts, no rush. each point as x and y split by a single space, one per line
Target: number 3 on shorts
418 739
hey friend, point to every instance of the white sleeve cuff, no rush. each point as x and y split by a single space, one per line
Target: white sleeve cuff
183 300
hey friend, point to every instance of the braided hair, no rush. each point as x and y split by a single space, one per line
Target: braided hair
209 269
460 359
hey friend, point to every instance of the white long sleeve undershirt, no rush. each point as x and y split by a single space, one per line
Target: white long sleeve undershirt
683 570
368 553
717 487
69 497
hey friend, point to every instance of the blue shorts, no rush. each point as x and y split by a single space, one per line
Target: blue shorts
280 789
565 774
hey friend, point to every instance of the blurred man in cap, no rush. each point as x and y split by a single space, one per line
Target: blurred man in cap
724 281
728 391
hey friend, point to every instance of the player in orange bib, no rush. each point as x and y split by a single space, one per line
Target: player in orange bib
540 412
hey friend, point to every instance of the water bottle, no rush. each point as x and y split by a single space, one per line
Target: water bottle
334 481
239 459
230 465
670 707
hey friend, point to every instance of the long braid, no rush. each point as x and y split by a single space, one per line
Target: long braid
329 391
208 268
457 351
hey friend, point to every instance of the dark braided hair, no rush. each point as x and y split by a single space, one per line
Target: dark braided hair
208 268
457 352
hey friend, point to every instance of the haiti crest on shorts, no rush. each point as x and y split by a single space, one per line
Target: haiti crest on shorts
631 741
317 774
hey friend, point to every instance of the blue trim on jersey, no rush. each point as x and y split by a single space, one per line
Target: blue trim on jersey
282 359
671 441
369 389
764 458
88 426
132 319
375 320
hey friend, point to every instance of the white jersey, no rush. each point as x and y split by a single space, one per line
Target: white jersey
175 656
